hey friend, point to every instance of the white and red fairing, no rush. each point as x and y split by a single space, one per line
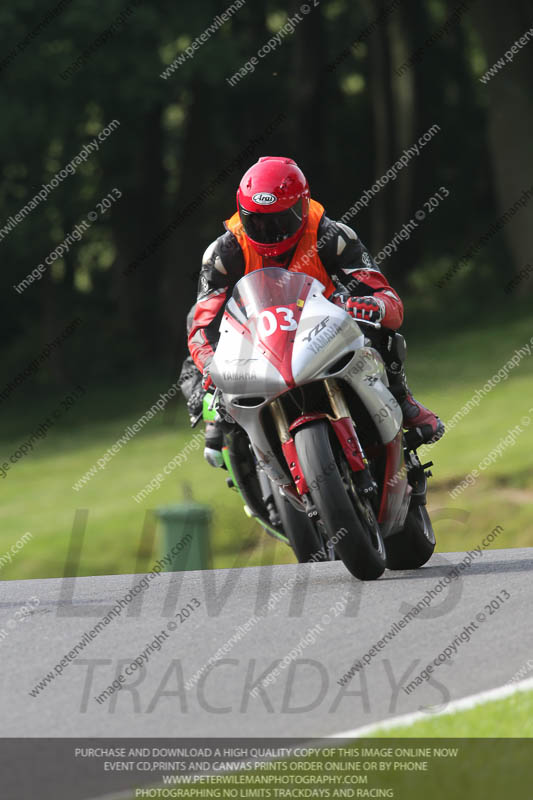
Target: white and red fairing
279 332
278 328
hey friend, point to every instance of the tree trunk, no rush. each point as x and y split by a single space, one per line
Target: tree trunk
307 98
384 130
510 133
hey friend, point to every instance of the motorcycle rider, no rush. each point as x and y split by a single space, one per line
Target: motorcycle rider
277 224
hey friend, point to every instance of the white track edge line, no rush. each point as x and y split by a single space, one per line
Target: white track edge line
463 704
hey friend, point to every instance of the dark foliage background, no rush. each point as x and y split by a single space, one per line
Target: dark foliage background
348 116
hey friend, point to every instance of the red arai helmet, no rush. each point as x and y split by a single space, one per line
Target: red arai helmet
273 202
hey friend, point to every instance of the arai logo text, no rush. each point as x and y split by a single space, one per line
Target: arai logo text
264 198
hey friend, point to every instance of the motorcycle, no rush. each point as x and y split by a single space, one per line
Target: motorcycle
313 438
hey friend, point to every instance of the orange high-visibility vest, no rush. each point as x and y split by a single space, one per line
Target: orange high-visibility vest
305 258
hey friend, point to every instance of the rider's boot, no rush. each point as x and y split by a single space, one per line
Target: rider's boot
213 444
422 425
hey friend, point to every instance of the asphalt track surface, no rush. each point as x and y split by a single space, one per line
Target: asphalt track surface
305 700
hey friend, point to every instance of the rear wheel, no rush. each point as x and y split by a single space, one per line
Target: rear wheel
414 545
348 521
298 528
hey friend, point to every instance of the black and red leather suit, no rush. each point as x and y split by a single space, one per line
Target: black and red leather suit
354 274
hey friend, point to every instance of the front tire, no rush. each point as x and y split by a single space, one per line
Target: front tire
361 546
414 545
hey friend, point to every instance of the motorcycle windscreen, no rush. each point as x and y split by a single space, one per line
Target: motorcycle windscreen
269 302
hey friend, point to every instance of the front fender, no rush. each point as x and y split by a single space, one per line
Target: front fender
344 431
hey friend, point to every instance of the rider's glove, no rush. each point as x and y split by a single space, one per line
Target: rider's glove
207 381
339 298
366 309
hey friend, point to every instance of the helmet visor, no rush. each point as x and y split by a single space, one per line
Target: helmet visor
266 228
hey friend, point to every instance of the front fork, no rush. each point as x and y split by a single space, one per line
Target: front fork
344 429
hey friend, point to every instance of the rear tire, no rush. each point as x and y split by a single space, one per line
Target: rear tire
361 547
414 545
298 528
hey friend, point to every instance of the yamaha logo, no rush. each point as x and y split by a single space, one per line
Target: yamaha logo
264 198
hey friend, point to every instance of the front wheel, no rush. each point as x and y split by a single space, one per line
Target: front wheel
415 543
350 525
